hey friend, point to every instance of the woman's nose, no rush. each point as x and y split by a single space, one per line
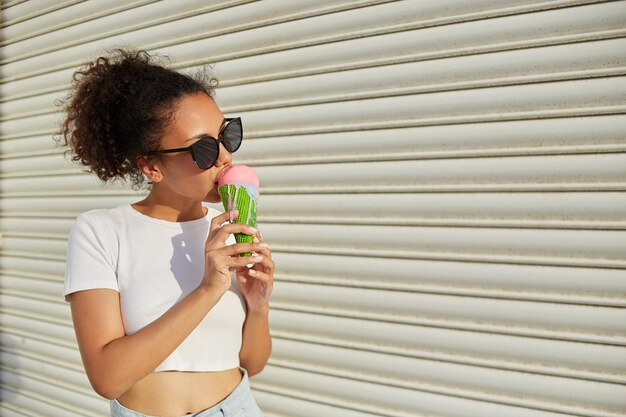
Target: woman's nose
225 156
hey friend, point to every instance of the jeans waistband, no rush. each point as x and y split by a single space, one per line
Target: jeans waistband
232 404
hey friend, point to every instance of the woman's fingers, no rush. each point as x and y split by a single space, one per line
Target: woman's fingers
259 275
218 221
238 263
259 239
265 251
237 249
227 216
268 265
233 228
219 239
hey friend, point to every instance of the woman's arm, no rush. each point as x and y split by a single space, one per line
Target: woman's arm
114 362
257 342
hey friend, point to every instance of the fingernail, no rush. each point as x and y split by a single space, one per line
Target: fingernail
264 245
255 240
252 229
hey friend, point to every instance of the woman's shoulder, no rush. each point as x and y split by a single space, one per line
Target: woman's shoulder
106 218
110 212
113 217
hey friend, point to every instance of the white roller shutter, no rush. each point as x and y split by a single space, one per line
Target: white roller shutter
443 188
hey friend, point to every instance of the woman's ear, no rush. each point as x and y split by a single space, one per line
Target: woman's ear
149 168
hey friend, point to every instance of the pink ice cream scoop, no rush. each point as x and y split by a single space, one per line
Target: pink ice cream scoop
240 176
238 187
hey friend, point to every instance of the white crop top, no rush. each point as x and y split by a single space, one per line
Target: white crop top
153 264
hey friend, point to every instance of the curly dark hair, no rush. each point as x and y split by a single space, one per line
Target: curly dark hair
118 107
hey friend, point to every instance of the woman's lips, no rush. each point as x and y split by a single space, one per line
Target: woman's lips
222 172
217 178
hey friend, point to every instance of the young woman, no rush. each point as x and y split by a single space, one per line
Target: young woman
170 320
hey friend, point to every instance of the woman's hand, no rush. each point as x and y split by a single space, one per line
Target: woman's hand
222 260
256 283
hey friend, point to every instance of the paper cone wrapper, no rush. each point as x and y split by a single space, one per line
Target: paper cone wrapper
237 198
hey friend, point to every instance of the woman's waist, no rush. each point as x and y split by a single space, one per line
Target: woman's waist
175 393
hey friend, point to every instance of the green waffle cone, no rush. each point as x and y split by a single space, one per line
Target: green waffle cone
246 205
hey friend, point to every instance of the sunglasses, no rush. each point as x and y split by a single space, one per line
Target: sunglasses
206 150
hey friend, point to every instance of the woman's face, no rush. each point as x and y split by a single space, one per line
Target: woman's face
197 114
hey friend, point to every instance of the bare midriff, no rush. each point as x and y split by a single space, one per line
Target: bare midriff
176 393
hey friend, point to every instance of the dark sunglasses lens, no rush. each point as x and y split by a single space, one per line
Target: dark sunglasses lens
232 136
205 152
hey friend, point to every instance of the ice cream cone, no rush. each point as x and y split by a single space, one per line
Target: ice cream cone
239 191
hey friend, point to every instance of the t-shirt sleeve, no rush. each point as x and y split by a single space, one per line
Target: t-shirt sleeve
90 258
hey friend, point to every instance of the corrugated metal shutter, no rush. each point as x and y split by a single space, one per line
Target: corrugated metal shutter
442 187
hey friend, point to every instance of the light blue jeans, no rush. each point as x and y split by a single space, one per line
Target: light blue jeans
239 403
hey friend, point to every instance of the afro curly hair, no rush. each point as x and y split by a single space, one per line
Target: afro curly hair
117 109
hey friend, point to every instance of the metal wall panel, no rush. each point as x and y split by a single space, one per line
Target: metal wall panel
442 188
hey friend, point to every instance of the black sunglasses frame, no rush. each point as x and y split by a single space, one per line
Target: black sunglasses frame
192 148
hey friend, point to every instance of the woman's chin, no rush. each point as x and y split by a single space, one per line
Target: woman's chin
213 196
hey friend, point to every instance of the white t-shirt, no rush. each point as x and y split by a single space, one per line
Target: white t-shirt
154 264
